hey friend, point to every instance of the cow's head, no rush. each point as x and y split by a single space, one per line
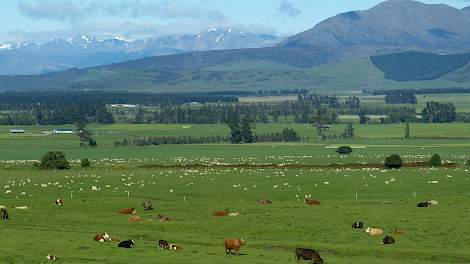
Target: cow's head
132 242
368 230
242 241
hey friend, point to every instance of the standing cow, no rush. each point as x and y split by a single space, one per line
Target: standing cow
4 214
308 254
233 244
147 205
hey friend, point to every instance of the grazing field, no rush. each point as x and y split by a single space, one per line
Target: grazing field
220 176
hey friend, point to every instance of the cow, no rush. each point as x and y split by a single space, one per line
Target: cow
163 244
221 213
308 254
233 244
264 202
126 243
433 202
358 225
147 205
4 214
58 202
127 211
424 204
388 240
134 219
164 218
51 258
102 237
373 231
234 214
312 202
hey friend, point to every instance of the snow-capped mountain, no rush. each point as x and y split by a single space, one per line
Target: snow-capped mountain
87 51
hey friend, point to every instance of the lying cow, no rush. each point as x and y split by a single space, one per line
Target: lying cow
358 225
134 219
164 218
425 204
127 211
433 202
388 240
102 237
51 258
4 214
163 244
147 205
312 202
233 244
308 254
264 202
126 243
221 213
58 202
373 231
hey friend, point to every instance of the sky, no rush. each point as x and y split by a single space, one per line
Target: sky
42 20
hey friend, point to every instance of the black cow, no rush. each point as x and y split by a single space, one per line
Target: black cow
358 225
308 254
4 214
126 243
388 240
425 204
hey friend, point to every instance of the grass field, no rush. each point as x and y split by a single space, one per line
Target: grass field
385 199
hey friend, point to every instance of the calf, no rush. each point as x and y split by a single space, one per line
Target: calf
221 213
373 231
264 202
102 237
147 205
308 254
388 240
4 214
233 244
358 225
425 204
126 243
312 202
127 211
58 202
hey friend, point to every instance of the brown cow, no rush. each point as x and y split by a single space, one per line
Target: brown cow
308 254
134 219
233 244
127 211
264 202
312 202
221 213
102 237
164 218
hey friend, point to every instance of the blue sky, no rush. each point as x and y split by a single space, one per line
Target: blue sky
40 20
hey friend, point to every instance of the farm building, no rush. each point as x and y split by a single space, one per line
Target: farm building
16 131
63 131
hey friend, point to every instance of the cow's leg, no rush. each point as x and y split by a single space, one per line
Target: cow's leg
227 251
237 251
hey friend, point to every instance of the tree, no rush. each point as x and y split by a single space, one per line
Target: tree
85 163
435 160
393 162
407 130
246 133
54 160
344 150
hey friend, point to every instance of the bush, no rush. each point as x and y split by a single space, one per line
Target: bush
344 150
435 160
85 163
393 162
54 160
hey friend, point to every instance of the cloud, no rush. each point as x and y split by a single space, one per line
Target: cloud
74 11
288 8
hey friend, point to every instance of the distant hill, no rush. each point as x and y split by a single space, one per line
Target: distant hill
86 51
403 24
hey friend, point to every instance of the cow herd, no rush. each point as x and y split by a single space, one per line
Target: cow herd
230 244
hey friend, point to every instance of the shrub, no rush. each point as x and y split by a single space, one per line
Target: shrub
393 162
54 160
85 163
344 150
435 160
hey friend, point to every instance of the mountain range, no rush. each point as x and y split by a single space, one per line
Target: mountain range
396 44
83 51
